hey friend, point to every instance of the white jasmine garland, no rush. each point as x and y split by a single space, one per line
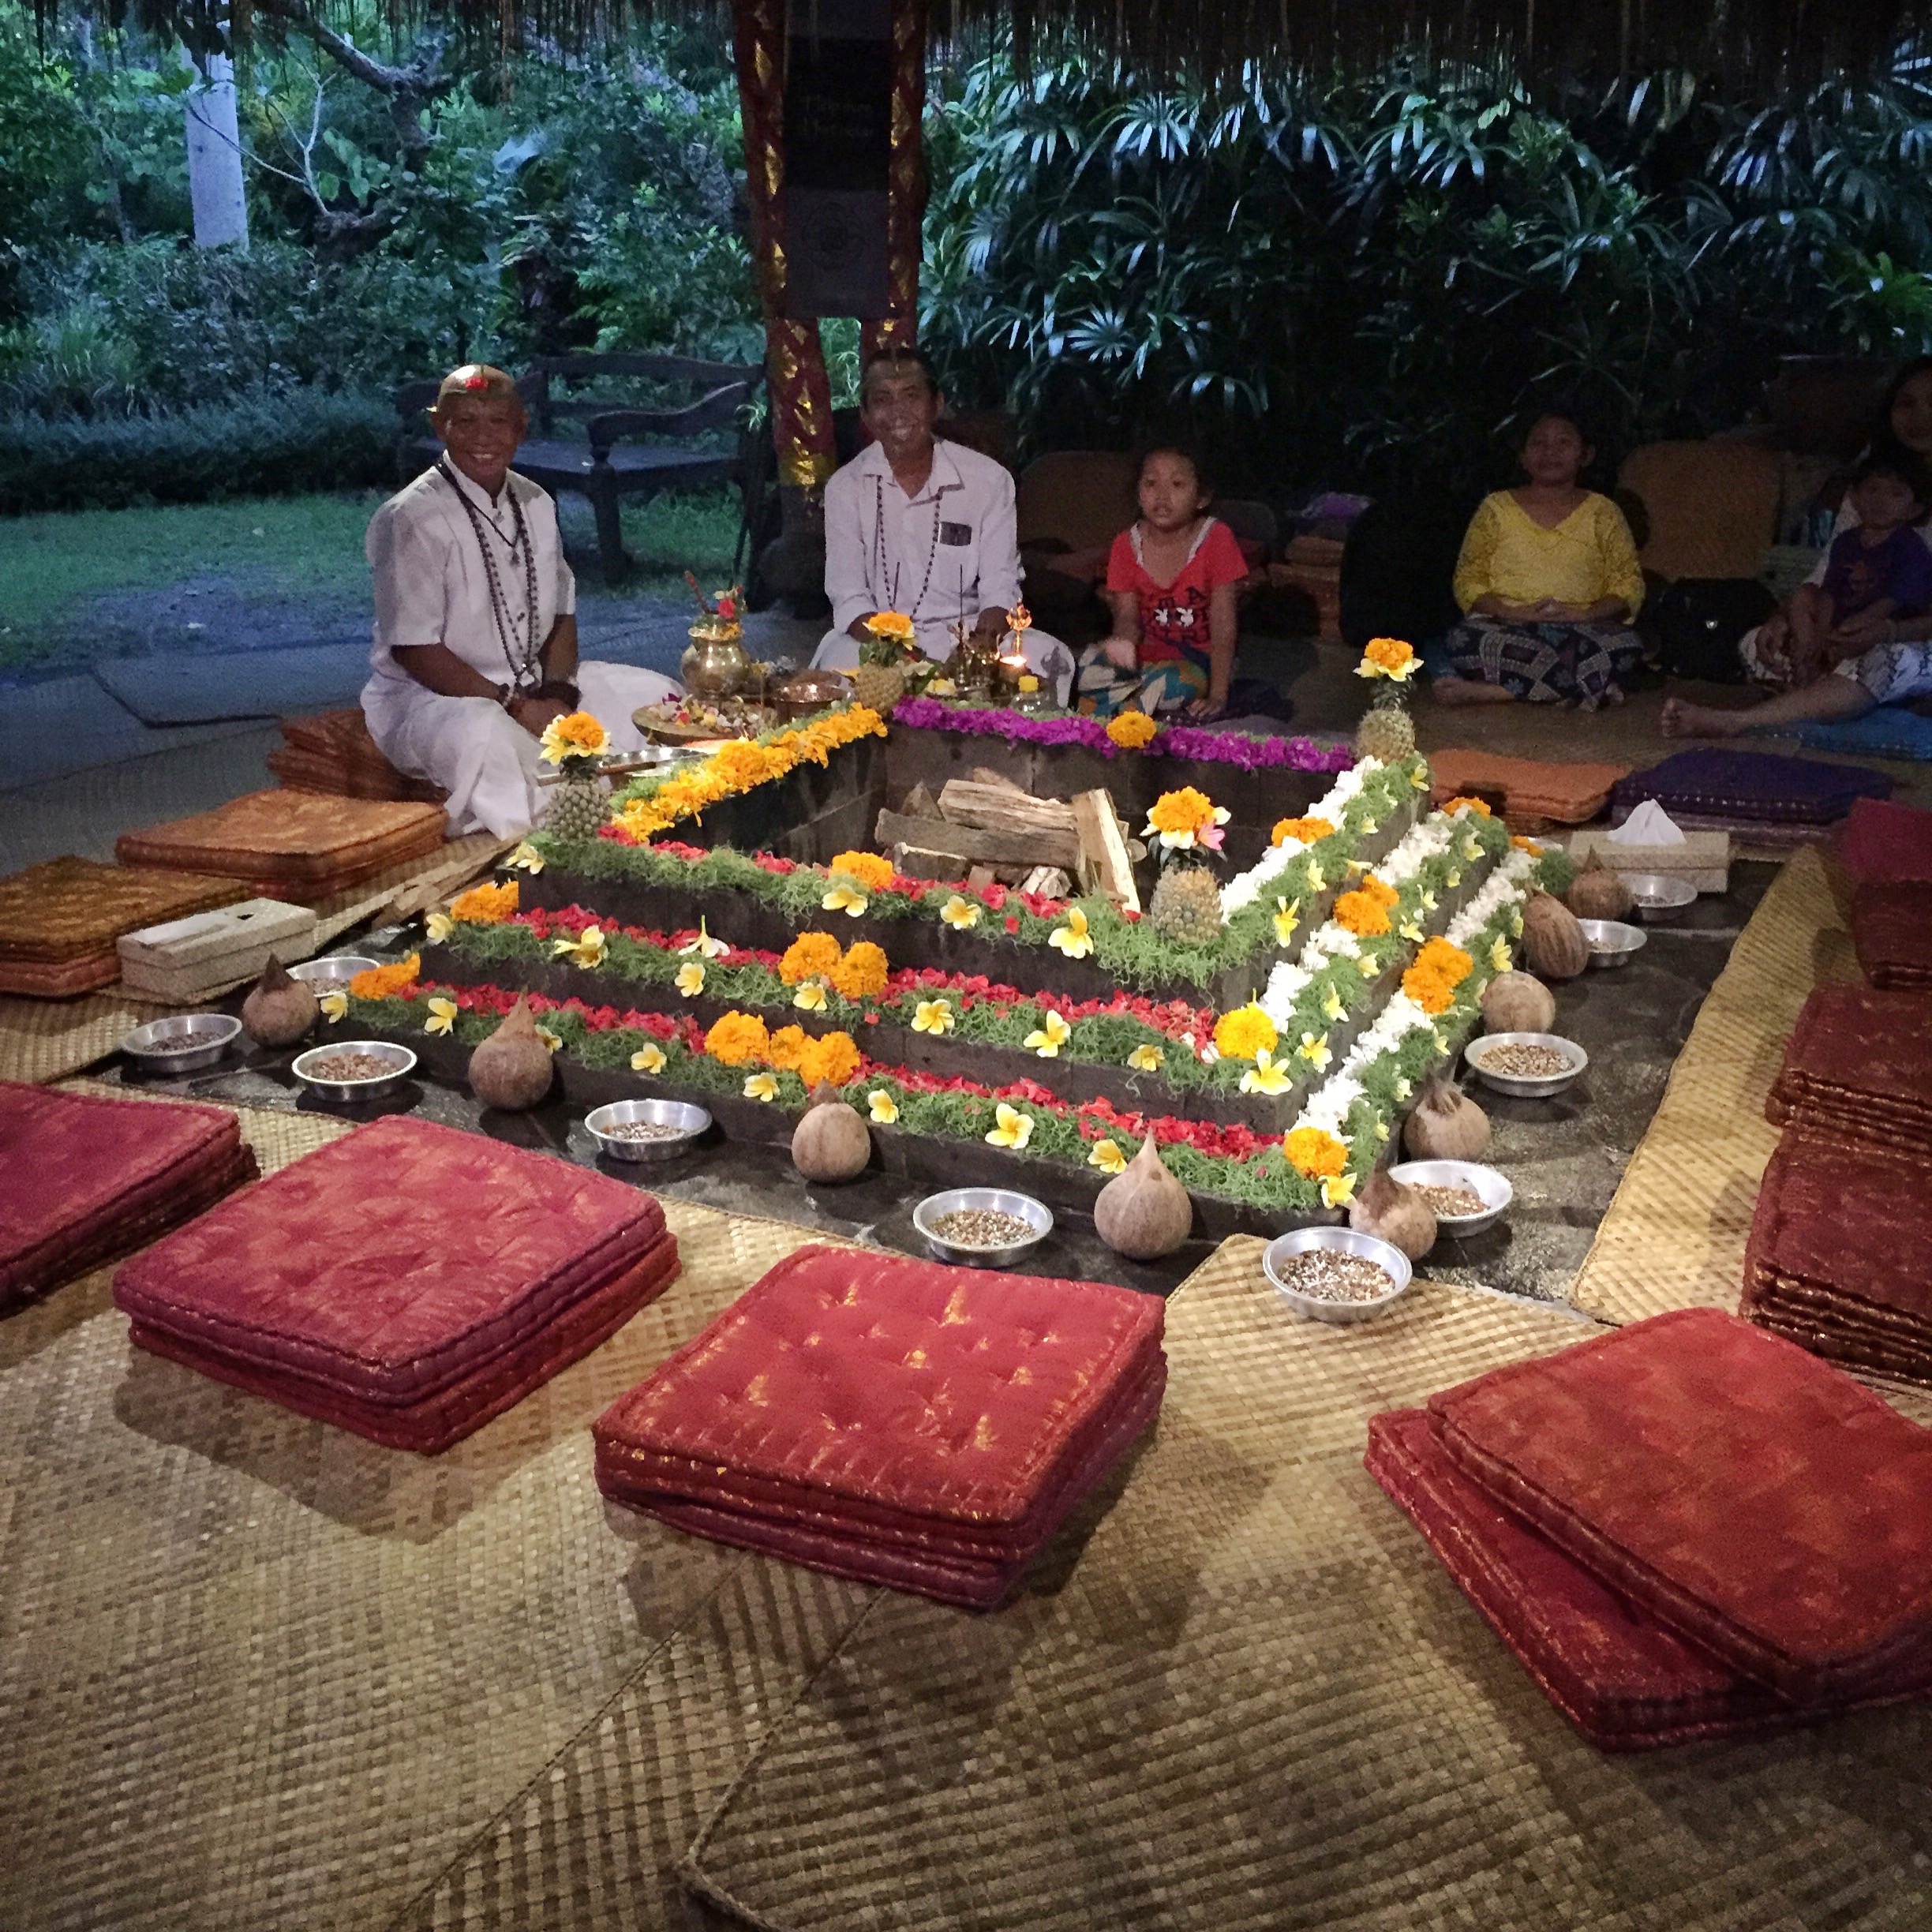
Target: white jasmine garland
1242 890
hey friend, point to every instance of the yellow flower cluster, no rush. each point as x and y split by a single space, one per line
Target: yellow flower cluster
1181 817
894 625
739 1039
859 972
810 956
1245 1033
1361 913
743 764
1388 657
1439 969
485 904
1315 1153
869 869
1130 730
576 735
1306 831
384 982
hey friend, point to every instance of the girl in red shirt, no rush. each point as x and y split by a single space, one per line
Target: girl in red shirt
1172 582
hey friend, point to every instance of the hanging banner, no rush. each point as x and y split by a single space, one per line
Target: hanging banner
838 127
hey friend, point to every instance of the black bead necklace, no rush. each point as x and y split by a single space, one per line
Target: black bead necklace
878 546
520 670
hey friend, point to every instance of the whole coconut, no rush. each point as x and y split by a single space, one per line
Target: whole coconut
1597 893
512 1070
1553 942
831 1142
279 1009
1144 1212
1517 1002
1395 1213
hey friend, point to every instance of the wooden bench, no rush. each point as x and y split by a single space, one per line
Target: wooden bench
704 439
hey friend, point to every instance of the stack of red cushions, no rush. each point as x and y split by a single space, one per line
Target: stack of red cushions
1840 1254
893 1420
1687 1529
83 1180
1858 1066
407 1282
1891 929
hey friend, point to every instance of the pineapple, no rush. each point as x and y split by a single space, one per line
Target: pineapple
1186 907
579 807
1387 732
879 686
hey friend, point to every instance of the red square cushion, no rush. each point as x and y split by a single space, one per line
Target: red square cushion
1891 929
83 1179
1624 1681
910 1401
1883 841
1861 1059
1758 1502
389 1266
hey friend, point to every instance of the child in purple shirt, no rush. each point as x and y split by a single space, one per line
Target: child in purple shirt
1880 568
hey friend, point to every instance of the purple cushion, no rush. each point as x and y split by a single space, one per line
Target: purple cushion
1751 785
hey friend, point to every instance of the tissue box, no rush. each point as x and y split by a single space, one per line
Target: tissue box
1704 858
189 959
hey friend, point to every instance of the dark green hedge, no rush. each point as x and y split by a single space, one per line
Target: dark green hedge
308 440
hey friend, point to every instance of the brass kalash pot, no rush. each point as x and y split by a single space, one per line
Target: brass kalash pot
714 666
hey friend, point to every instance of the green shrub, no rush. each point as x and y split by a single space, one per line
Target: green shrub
265 447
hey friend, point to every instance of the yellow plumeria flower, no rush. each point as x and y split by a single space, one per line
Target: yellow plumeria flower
1442 1041
960 913
1499 954
811 996
1472 849
1454 879
942 687
1429 900
334 1006
1314 1049
439 926
1516 923
1381 1130
1338 1190
704 946
690 980
587 949
1073 938
1047 1040
1107 1157
1370 827
1286 919
647 1060
1331 1004
1317 878
1264 1076
885 1109
1014 1129
761 1086
1418 777
933 1016
1145 1059
442 1016
554 1041
846 899
1403 1088
525 858
1411 929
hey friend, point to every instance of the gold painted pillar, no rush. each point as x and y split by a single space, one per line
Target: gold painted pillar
906 217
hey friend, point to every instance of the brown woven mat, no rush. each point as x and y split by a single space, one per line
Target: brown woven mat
1675 1234
1257 1702
46 1039
258 1672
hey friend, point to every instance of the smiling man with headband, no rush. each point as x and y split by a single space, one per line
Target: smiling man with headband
476 625
923 526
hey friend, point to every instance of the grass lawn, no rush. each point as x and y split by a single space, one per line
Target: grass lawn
305 548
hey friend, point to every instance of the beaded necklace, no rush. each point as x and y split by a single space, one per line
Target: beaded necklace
499 604
878 548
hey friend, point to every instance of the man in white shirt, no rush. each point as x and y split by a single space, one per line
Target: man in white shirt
475 624
924 527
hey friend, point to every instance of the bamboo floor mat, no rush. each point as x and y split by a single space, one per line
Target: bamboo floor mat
1257 1703
257 1672
1675 1233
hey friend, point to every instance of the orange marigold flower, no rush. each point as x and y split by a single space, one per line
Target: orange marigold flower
1130 730
1245 1033
835 1059
861 973
1309 831
1386 657
1184 810
1429 990
1362 914
386 981
810 956
1475 805
1379 890
1527 844
1450 963
737 1037
1315 1153
869 869
786 1048
484 905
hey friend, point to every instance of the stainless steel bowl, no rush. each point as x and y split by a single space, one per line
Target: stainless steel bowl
689 1121
332 972
1526 1086
1494 1188
1390 1260
1612 943
1658 894
1036 1214
375 1087
212 1034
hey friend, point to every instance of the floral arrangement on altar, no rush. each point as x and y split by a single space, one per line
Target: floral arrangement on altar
1132 731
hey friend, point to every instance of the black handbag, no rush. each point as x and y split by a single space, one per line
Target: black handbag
1699 621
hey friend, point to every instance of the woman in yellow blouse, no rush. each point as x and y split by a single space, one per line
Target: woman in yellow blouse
1548 582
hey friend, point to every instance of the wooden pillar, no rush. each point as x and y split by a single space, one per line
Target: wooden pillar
907 214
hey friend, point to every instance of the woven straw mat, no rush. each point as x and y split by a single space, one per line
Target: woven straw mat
255 1671
1675 1235
1256 1702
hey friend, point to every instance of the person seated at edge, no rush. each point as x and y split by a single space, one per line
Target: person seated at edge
1869 658
1549 582
1173 583
476 626
923 526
